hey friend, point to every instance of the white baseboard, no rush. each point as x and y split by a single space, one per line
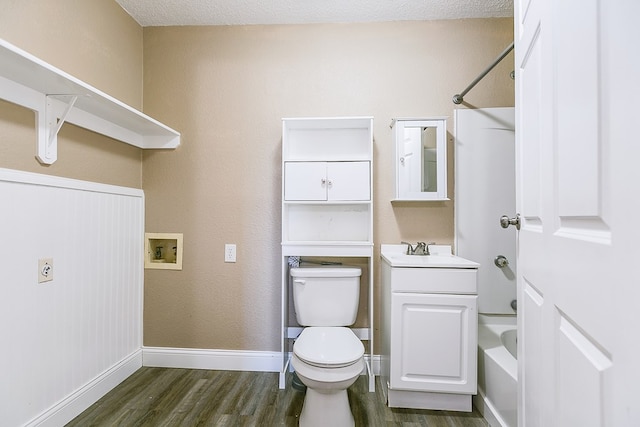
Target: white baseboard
221 360
74 404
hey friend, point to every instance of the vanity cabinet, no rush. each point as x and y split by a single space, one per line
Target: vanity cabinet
327 209
429 330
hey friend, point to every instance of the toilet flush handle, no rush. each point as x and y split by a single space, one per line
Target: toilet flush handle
299 281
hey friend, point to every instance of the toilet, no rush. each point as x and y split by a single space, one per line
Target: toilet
327 355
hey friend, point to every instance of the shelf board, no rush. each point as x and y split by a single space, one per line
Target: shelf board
332 248
326 202
32 83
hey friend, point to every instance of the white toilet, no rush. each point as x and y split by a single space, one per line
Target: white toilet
327 356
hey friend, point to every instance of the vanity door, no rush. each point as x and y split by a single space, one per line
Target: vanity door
433 342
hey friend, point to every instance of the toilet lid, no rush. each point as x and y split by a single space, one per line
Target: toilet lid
328 346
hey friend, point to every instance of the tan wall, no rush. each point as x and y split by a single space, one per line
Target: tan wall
97 42
226 89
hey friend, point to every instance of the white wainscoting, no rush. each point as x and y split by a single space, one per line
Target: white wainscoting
68 341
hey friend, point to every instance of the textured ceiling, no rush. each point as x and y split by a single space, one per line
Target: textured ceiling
150 13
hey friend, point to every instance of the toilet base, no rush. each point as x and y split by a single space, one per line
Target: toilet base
322 409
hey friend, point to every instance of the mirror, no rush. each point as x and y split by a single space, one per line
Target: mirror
421 159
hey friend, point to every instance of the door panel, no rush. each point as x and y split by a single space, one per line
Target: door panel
578 137
583 370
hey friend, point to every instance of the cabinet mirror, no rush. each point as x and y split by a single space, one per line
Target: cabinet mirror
420 159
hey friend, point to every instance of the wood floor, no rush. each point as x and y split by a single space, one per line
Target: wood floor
188 397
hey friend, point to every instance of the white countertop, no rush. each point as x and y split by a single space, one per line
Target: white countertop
440 257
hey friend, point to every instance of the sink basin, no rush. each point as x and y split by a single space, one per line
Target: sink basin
396 257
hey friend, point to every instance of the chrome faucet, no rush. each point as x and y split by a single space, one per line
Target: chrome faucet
410 250
421 248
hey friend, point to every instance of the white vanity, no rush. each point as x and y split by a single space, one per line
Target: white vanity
428 329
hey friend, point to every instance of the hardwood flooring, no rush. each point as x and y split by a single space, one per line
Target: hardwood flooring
157 397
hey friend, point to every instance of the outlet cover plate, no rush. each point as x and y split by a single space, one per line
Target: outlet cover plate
45 270
229 252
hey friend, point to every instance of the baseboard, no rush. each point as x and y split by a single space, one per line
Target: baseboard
81 399
220 360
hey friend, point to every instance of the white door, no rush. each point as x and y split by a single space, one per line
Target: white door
578 181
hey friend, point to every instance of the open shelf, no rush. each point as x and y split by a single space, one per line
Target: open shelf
58 97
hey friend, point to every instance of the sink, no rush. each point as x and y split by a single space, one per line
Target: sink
441 257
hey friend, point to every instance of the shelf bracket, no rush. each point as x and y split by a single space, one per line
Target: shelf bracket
47 151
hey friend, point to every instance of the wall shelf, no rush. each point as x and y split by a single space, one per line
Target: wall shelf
57 97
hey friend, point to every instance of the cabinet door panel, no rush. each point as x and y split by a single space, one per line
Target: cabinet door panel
433 343
348 181
305 181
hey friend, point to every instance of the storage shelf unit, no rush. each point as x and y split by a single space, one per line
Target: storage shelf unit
327 204
58 97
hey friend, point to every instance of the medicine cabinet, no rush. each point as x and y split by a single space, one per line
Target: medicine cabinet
420 161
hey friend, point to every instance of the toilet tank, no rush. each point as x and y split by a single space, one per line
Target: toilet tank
326 296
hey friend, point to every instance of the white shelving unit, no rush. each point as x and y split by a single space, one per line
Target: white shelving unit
57 97
327 204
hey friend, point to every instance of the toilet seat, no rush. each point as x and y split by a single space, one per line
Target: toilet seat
328 347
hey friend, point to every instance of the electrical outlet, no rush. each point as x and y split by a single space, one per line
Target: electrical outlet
230 252
45 270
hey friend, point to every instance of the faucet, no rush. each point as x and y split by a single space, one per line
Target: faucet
421 248
410 250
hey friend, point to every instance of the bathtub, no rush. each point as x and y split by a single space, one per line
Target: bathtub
497 370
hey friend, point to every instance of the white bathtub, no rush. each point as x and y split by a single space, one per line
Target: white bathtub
497 370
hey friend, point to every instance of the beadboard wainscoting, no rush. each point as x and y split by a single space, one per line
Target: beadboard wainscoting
67 341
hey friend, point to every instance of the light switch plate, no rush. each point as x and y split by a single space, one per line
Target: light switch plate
45 270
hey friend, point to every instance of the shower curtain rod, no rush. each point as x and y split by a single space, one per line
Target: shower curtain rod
458 98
